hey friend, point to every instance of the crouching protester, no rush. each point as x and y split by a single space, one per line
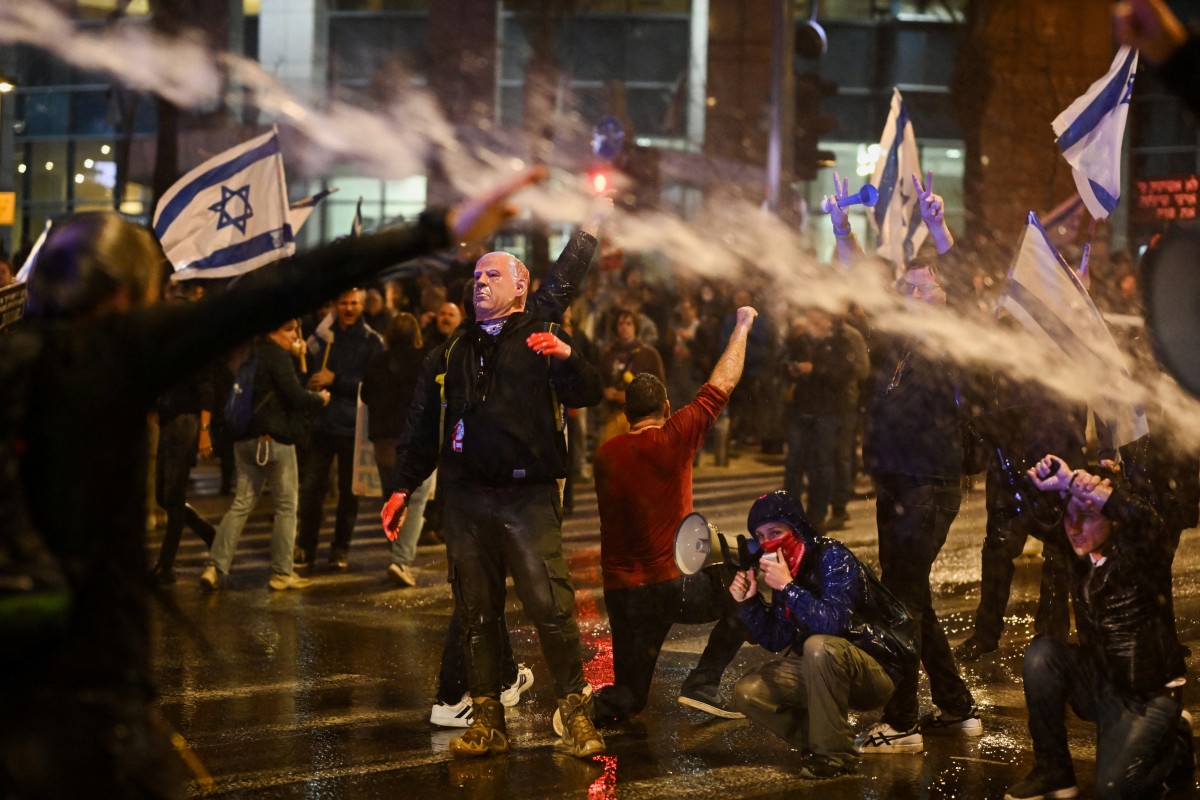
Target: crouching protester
1121 675
847 641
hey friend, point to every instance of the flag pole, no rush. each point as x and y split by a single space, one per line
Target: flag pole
1084 276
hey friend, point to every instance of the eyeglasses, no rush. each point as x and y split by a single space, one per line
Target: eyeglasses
921 289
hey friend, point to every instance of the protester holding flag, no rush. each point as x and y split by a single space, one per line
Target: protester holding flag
930 207
913 449
897 217
338 365
83 719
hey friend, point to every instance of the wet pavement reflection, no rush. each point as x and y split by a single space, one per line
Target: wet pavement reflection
326 692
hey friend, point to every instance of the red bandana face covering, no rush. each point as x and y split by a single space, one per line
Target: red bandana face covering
792 548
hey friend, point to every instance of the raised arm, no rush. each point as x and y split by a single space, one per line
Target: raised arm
848 250
728 371
933 211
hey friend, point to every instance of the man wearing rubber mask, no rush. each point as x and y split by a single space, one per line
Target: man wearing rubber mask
847 642
487 414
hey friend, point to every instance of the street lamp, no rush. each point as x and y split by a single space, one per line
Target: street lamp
6 85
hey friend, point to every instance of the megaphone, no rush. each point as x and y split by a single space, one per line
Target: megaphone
868 195
1171 277
699 544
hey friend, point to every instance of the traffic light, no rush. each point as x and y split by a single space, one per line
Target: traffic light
599 179
811 125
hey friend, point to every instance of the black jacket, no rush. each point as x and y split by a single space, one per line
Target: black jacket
348 356
825 390
279 400
92 384
1117 604
524 434
913 422
503 422
387 389
191 395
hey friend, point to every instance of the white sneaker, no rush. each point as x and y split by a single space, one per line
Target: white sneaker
452 716
279 583
210 581
939 724
883 738
511 695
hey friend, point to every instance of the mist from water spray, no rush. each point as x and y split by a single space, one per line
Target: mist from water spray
399 139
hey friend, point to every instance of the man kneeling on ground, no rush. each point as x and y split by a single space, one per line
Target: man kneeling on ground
1121 675
847 641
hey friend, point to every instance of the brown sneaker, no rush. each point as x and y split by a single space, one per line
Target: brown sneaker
487 733
579 736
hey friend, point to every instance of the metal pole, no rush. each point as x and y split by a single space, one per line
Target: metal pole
697 91
782 112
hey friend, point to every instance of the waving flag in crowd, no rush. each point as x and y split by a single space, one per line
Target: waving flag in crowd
1046 296
356 226
229 215
1064 222
897 219
301 210
1090 133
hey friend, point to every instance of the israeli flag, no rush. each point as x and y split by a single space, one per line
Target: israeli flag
1090 132
31 259
356 225
229 215
897 220
301 210
1047 297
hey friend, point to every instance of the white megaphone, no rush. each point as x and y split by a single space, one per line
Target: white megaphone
699 544
696 544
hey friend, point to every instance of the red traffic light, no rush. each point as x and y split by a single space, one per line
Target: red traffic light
598 179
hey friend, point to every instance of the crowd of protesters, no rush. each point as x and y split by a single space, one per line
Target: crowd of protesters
490 388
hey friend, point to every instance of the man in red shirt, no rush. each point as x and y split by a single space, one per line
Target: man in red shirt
644 488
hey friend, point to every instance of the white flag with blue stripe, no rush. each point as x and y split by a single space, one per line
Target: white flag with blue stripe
1046 296
1090 133
896 219
229 215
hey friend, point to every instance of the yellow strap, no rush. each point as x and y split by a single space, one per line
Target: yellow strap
441 382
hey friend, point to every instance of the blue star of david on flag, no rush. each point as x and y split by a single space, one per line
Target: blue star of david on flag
225 219
240 238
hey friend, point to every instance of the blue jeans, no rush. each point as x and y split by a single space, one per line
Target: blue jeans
404 549
1136 742
280 470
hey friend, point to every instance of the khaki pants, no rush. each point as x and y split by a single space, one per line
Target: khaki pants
804 698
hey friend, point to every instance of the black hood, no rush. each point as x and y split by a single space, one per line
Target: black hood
780 507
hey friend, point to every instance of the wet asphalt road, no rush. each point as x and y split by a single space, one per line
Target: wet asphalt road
325 693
